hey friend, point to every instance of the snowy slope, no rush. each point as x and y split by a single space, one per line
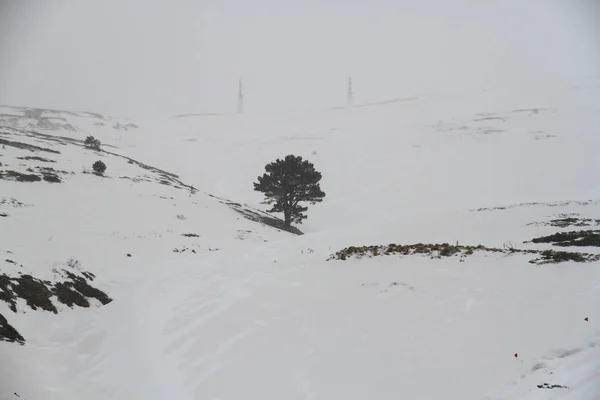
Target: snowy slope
268 315
119 227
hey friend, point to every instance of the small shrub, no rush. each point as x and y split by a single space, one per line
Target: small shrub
83 287
99 167
446 251
28 178
8 333
92 143
76 290
555 257
52 178
73 263
19 177
549 386
65 294
576 238
35 292
181 217
36 158
6 293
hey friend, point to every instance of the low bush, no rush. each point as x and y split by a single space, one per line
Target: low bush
99 167
92 143
19 177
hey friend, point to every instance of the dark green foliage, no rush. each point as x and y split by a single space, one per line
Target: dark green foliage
82 286
92 143
288 182
99 167
8 333
47 173
555 257
67 295
73 291
567 220
572 221
36 158
19 177
35 292
6 293
575 238
52 178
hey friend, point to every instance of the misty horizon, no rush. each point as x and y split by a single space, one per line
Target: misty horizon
135 59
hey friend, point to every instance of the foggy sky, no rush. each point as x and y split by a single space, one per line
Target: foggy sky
143 58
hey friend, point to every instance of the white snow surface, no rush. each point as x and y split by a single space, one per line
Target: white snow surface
258 313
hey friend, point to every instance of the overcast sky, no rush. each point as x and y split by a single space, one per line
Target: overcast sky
139 58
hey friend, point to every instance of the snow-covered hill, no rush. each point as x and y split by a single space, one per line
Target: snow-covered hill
211 301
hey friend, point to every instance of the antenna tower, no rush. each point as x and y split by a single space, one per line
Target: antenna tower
350 92
240 104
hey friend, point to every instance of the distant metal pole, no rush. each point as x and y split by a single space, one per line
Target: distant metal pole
350 92
240 105
597 24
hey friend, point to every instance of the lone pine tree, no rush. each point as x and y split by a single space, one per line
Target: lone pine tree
288 182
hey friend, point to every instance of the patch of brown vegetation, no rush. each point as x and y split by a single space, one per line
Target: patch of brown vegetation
448 250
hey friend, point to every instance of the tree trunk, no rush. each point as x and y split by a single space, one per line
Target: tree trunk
288 218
